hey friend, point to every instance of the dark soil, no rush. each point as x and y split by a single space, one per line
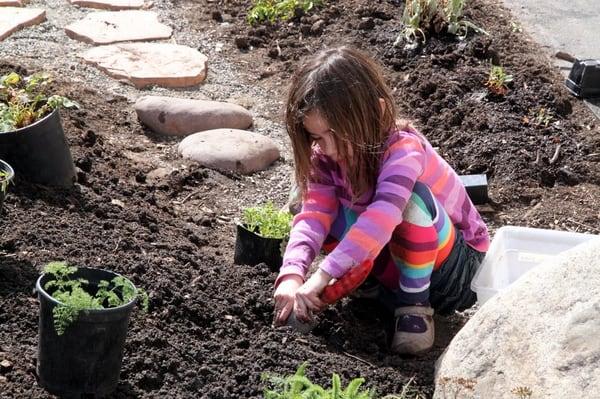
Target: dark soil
208 333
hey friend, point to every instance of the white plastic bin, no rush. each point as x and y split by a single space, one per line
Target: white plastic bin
516 250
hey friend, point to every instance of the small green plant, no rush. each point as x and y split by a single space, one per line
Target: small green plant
423 16
498 80
298 386
273 10
267 221
541 117
74 298
4 181
515 27
23 100
522 392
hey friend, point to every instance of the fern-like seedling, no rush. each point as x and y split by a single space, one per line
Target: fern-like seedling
73 298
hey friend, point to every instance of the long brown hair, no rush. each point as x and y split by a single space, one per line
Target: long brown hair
345 86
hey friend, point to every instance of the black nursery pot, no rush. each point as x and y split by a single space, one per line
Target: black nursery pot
5 168
252 249
39 152
86 359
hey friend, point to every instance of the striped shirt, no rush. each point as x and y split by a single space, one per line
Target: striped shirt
408 158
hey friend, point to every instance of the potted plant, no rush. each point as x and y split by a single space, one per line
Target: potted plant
262 236
31 135
6 175
84 314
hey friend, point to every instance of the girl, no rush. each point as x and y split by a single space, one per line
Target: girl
373 189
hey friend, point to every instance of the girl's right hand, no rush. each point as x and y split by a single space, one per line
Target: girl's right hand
285 295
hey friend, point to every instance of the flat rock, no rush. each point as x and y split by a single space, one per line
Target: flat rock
538 339
106 27
230 149
180 117
15 18
113 5
145 64
11 3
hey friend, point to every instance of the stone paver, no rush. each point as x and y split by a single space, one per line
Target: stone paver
230 149
113 5
145 64
14 18
180 116
541 333
106 27
11 3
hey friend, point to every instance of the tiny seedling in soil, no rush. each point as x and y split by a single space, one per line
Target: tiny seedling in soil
23 100
74 298
541 117
267 221
498 80
298 386
4 181
271 11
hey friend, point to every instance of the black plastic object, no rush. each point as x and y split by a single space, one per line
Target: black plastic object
39 152
252 249
584 79
5 181
477 188
86 359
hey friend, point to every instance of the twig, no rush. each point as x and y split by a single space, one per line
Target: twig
587 226
190 195
537 158
555 156
359 359
117 246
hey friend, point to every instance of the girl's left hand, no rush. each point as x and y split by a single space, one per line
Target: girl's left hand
307 296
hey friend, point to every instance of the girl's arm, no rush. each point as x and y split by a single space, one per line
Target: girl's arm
403 164
309 229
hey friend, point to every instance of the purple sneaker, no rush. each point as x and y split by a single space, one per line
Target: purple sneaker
414 332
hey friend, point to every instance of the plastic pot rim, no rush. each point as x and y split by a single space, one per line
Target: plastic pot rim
42 291
245 227
5 166
39 121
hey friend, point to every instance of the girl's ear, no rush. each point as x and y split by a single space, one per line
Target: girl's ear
382 105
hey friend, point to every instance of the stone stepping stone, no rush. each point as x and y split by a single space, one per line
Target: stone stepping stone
11 3
113 5
145 64
230 150
106 27
180 117
14 18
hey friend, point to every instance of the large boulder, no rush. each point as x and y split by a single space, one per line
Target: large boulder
145 64
540 338
230 150
180 117
104 27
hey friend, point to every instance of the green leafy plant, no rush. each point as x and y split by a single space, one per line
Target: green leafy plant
540 117
23 100
73 298
498 80
423 16
298 386
267 221
273 10
4 181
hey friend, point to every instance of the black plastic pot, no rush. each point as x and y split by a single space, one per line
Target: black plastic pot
5 181
39 152
252 249
86 359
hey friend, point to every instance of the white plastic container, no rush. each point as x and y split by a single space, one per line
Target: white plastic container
516 250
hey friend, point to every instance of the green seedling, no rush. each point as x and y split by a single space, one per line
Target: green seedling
270 11
541 117
73 297
267 221
4 181
298 386
23 100
522 392
515 27
498 80
422 16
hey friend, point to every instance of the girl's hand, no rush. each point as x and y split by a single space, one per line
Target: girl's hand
307 296
285 295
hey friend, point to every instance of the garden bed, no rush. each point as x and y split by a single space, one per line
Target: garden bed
208 333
